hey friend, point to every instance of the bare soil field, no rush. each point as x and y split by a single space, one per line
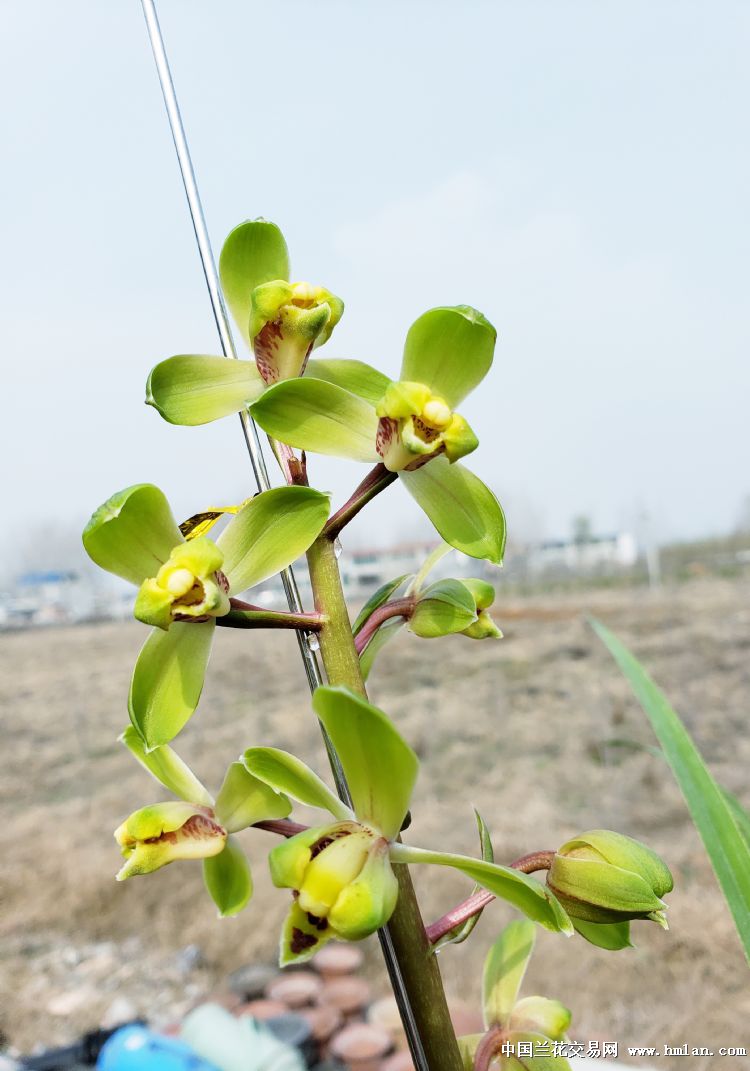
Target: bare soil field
538 731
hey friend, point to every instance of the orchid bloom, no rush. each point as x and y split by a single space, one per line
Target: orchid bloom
196 826
280 321
520 1034
348 409
341 873
184 585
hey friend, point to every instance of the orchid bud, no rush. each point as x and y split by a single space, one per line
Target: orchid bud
188 587
156 835
605 877
416 425
287 320
484 628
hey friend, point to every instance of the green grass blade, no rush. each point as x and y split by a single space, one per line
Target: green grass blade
714 817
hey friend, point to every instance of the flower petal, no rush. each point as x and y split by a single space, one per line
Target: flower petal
302 936
464 511
314 415
528 895
613 936
270 532
355 376
192 389
244 799
504 968
228 880
168 768
168 680
255 252
541 1015
286 773
133 533
379 765
450 351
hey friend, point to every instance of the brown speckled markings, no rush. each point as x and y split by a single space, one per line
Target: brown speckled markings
387 429
265 346
198 827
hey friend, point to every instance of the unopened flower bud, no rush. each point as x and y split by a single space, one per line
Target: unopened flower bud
606 877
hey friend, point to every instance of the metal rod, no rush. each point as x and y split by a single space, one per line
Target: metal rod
254 449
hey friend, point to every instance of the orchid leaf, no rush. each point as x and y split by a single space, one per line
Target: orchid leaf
449 350
355 376
168 680
192 389
460 933
228 880
504 968
529 896
464 511
314 415
255 252
168 768
379 765
387 632
270 532
288 774
381 596
713 816
447 606
132 534
244 800
613 936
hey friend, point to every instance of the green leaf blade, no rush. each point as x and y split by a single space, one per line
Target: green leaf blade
288 774
314 415
380 597
464 511
271 532
380 767
228 880
194 389
726 848
132 533
168 680
254 252
450 350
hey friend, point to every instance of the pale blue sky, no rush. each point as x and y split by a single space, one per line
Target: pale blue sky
577 170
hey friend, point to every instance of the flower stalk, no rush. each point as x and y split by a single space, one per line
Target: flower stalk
374 482
246 615
419 968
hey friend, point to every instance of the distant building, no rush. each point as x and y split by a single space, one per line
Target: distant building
596 555
52 597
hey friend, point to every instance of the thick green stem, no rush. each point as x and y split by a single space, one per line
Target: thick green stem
418 966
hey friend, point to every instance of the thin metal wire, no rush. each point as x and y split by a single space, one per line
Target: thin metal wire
257 461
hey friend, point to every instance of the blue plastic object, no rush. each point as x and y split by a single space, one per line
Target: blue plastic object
136 1048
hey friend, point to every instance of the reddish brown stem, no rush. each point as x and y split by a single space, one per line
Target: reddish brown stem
397 608
479 900
283 826
488 1048
374 482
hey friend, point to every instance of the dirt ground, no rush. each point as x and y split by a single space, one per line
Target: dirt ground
537 731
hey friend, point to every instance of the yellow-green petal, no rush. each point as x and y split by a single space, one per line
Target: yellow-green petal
168 680
354 376
271 532
464 511
450 349
504 968
168 768
254 253
193 389
228 880
288 774
244 800
132 534
302 936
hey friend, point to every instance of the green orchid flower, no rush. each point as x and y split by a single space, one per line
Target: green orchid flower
281 322
342 873
605 880
197 826
348 409
184 585
519 1033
